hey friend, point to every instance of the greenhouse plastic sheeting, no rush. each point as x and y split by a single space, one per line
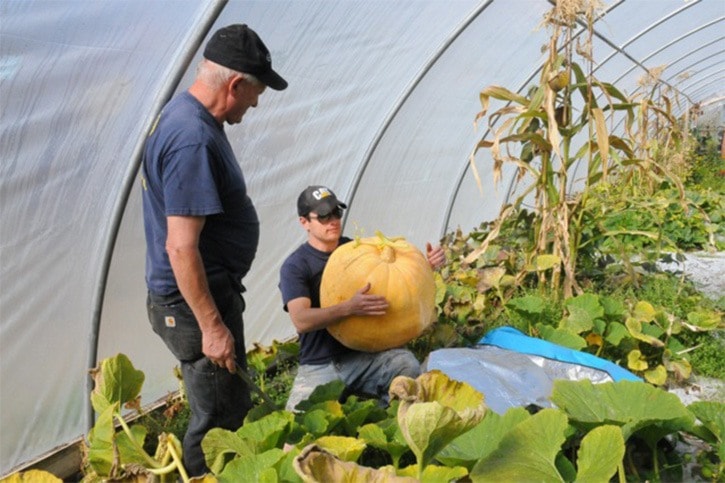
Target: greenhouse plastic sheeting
380 107
512 369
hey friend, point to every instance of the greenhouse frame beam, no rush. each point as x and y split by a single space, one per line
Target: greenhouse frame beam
407 92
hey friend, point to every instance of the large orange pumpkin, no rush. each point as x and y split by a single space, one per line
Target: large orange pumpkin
396 270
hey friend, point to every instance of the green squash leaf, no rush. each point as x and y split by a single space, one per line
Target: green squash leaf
132 452
483 439
266 433
387 436
218 444
101 438
528 304
600 453
251 468
615 333
704 320
561 336
630 404
116 380
526 453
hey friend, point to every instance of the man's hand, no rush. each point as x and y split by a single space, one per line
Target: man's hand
363 303
436 256
217 344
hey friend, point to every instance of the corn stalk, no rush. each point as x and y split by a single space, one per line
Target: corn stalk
537 132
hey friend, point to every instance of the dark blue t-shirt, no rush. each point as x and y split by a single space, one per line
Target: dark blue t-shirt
300 276
189 169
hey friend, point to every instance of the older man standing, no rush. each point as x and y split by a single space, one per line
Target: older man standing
202 230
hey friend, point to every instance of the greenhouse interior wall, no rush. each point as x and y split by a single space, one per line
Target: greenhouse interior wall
380 107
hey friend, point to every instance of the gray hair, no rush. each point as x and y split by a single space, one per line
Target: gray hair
215 75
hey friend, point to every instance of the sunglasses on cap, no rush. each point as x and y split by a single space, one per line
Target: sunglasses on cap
334 214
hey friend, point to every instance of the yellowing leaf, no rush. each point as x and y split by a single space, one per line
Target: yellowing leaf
636 362
594 339
635 329
32 476
315 465
656 376
545 262
434 410
602 137
343 447
643 311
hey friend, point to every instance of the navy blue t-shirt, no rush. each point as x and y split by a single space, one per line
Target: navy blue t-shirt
300 276
189 169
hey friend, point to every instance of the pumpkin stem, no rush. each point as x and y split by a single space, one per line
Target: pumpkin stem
388 254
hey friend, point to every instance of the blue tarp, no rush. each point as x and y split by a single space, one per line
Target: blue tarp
512 369
515 340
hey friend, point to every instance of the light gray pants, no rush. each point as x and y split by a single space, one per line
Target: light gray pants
362 373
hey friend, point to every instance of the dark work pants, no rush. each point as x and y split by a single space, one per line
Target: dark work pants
217 398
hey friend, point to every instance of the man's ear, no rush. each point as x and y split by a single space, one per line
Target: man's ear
235 84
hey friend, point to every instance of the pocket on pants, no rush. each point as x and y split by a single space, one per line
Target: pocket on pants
177 327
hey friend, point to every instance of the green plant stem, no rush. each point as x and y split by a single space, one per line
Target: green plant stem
180 465
164 470
149 460
620 472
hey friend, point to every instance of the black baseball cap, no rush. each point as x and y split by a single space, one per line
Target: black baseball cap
239 48
319 199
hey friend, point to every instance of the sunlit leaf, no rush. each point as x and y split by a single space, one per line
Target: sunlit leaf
483 439
703 320
636 330
643 311
102 453
266 433
218 444
132 451
529 304
629 404
712 415
583 310
116 380
503 94
434 473
602 137
561 336
544 262
636 362
343 447
32 476
600 453
434 410
656 376
527 452
615 333
251 468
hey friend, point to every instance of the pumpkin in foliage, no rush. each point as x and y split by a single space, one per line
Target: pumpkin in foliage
396 270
